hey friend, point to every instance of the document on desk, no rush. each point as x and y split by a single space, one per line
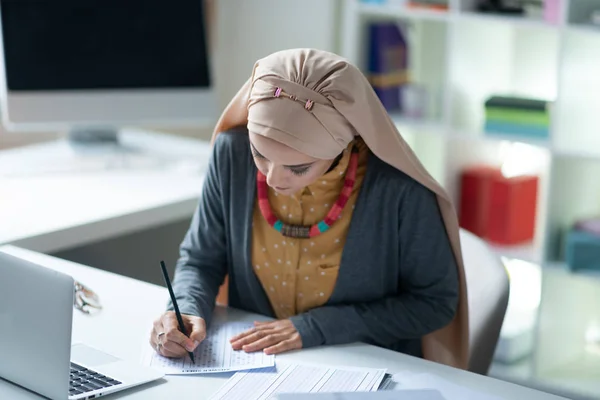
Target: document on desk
298 378
425 381
409 394
213 355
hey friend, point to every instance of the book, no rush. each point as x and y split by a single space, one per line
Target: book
388 63
517 116
509 128
520 103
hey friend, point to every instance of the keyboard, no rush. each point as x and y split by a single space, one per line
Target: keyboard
85 380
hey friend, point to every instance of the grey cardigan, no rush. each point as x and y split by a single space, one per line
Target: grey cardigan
397 279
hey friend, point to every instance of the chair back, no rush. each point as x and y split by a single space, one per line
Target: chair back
488 288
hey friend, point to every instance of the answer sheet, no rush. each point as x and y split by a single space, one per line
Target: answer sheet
449 390
214 354
298 378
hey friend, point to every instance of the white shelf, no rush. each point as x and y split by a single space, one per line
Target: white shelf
518 21
394 11
588 154
584 28
401 12
431 126
468 56
501 137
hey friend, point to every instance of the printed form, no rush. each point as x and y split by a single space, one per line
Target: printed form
298 378
214 354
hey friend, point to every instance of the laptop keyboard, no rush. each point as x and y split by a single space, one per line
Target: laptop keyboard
85 380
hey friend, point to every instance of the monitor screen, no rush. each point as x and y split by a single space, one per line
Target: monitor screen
71 45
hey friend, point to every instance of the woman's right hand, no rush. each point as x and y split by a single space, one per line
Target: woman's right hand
167 339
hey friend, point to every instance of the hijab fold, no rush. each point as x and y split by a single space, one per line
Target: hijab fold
341 105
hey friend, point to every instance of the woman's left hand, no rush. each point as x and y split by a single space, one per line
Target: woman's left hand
273 337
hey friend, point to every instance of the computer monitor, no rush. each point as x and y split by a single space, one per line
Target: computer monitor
98 65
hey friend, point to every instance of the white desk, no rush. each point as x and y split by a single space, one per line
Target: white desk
65 199
130 306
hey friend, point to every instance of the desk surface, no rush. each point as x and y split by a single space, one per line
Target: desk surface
53 197
130 306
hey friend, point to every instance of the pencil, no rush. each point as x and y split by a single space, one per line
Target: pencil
175 306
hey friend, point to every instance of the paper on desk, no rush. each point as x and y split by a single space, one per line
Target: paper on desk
214 354
409 394
449 390
298 378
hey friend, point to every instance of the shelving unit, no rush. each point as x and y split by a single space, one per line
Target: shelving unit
462 57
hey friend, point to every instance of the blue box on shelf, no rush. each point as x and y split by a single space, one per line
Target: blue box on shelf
582 251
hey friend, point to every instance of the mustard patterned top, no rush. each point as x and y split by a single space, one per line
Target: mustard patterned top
300 274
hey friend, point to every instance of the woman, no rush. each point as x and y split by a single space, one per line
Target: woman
322 217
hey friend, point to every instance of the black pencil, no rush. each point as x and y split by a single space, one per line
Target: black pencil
179 319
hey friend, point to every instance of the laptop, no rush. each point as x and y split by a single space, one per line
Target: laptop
36 317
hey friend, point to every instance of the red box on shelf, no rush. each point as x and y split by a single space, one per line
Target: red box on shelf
498 208
474 202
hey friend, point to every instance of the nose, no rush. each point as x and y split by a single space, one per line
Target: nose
275 177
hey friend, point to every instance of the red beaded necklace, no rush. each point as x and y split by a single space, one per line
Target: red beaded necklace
307 231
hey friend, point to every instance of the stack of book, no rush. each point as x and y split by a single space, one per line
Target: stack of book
517 116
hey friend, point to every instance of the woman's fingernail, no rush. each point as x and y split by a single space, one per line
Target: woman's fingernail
196 343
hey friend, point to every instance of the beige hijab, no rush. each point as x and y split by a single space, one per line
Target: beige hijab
323 103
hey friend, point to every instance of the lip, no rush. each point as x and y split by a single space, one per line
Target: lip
283 189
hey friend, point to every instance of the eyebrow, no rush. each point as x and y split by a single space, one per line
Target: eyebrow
287 166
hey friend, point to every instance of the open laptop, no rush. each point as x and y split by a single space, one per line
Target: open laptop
36 311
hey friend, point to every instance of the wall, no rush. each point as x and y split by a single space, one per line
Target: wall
249 30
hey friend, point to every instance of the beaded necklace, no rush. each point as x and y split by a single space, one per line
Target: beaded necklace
307 231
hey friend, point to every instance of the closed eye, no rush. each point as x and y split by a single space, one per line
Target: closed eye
299 171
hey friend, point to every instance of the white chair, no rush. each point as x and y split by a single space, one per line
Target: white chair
488 289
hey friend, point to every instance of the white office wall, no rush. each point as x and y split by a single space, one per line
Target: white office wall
247 30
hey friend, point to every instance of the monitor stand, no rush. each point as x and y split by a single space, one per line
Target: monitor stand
102 141
91 150
87 138
109 149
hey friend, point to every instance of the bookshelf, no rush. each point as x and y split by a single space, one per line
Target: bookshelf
462 56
